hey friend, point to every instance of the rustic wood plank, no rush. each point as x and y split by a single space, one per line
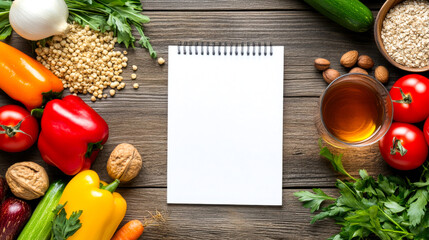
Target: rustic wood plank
211 5
138 118
305 36
291 221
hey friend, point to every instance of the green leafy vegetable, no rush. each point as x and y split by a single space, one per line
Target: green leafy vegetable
334 159
390 207
312 200
119 16
63 228
5 28
417 207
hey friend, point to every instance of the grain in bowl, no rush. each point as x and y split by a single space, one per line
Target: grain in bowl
405 33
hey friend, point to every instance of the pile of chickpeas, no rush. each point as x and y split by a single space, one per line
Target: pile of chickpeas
85 61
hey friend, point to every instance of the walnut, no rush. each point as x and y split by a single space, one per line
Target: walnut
27 180
124 162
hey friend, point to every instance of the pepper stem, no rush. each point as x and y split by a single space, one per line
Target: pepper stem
51 95
112 186
47 96
397 147
406 98
93 147
37 112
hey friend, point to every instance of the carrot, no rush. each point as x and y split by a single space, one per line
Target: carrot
132 230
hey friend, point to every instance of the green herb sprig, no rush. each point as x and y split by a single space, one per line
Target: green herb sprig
389 207
63 228
119 16
5 28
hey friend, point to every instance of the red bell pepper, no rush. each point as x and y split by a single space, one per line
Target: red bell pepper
72 134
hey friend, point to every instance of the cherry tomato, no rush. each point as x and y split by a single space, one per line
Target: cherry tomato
18 129
410 95
404 146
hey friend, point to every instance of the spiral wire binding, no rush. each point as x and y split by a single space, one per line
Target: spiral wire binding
211 48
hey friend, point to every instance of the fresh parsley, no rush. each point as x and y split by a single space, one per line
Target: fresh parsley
63 228
334 159
5 28
389 207
119 16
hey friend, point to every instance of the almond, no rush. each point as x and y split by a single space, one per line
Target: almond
364 61
330 75
349 58
322 64
358 70
382 74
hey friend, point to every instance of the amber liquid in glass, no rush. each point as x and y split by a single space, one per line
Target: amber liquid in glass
352 111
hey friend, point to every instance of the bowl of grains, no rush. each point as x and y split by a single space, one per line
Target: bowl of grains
401 32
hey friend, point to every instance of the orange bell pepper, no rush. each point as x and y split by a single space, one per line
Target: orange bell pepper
25 79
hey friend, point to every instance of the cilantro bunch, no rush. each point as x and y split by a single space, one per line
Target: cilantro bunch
389 207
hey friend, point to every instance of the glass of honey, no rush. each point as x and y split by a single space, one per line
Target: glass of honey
355 110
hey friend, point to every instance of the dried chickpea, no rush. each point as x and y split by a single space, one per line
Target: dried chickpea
161 61
84 60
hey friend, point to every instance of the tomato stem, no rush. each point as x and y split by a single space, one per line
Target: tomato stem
11 131
406 98
397 147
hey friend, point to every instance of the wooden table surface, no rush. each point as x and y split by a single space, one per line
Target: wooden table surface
139 116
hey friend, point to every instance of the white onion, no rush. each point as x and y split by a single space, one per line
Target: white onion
38 19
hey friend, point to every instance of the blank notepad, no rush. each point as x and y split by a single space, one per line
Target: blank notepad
225 125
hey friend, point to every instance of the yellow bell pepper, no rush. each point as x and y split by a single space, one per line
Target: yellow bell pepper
102 208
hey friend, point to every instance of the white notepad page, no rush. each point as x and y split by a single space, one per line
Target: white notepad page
225 127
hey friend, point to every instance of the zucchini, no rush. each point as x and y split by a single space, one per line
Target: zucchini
40 224
350 14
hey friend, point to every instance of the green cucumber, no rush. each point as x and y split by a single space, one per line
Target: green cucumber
350 14
40 224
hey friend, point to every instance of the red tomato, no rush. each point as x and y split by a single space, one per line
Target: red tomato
426 130
404 146
412 104
19 129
